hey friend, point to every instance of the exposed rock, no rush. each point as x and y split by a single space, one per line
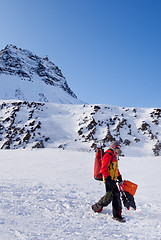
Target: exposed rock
25 124
157 149
17 65
39 144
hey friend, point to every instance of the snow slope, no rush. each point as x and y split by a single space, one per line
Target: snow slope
79 127
14 88
25 76
47 194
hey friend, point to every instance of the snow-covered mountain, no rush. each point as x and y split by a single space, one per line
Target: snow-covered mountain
48 193
79 127
25 76
48 114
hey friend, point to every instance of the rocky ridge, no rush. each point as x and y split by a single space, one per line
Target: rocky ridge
22 69
79 127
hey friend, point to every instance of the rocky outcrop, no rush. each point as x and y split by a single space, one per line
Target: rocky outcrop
39 125
20 126
33 78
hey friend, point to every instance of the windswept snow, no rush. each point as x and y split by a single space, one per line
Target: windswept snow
14 88
47 194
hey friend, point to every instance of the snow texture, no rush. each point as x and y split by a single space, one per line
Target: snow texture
47 194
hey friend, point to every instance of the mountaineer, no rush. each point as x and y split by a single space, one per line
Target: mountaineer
111 174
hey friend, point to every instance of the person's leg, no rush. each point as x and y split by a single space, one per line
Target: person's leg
103 202
116 203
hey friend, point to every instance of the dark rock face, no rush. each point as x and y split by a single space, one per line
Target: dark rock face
29 67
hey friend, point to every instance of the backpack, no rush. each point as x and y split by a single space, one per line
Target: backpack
98 163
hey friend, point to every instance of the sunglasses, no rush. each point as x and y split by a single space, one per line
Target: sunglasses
117 147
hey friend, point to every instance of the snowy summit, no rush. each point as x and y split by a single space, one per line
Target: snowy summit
25 76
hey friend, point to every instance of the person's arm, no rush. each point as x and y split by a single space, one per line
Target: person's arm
105 163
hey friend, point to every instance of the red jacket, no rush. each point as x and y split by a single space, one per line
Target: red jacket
108 167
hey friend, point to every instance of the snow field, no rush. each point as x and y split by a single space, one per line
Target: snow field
47 194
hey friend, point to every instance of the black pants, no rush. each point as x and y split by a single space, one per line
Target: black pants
112 195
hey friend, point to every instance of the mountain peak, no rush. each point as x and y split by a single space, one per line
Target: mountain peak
26 76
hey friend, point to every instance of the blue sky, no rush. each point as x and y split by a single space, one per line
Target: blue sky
108 50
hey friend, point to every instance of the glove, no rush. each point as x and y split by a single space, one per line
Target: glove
119 178
109 182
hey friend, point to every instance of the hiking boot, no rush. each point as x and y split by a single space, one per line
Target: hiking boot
119 218
95 209
99 210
